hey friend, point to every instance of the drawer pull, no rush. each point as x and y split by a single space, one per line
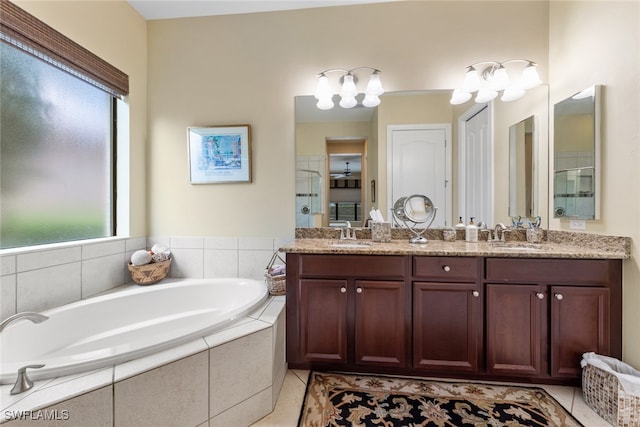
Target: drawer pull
446 268
359 290
343 289
540 295
475 294
559 297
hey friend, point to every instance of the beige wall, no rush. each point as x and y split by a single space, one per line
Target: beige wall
598 43
114 31
248 68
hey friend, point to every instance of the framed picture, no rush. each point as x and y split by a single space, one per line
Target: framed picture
219 154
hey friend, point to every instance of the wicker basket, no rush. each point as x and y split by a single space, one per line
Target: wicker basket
148 274
277 285
604 394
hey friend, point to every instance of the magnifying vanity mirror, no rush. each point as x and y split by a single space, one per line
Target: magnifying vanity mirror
576 124
320 133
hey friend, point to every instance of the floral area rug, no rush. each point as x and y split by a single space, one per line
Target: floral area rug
363 401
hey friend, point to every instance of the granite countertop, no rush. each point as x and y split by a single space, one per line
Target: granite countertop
602 247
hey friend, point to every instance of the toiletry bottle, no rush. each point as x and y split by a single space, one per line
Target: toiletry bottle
460 225
471 232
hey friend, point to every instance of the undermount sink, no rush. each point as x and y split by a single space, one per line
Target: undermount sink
350 244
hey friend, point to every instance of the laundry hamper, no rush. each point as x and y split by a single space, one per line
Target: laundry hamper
612 389
275 276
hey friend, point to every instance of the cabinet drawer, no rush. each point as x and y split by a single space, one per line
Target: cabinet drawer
582 271
378 266
443 268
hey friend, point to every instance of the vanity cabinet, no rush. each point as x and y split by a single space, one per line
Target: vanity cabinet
447 314
543 314
521 319
351 310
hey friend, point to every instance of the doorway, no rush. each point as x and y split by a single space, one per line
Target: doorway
346 169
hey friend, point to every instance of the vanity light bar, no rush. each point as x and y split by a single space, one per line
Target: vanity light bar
348 90
494 78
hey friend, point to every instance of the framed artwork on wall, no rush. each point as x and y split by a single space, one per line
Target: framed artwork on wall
219 154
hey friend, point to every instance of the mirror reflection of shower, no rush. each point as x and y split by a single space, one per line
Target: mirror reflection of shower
309 185
345 189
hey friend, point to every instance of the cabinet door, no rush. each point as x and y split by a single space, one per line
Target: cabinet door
516 329
447 326
579 324
380 329
323 320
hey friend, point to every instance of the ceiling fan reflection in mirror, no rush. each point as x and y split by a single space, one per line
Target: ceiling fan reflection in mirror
345 174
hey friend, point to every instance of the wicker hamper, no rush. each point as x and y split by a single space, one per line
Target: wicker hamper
148 274
276 284
606 395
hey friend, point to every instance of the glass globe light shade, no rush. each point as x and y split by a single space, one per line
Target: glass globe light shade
485 95
348 102
371 101
325 103
530 77
499 78
348 87
471 81
459 97
323 90
374 87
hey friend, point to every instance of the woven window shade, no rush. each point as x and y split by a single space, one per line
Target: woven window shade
28 33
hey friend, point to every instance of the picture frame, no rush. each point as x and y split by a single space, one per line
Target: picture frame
219 154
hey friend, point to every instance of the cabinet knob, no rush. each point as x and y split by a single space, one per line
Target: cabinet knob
359 290
559 297
540 295
475 293
343 289
446 268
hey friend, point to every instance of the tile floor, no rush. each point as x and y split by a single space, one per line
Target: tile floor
289 403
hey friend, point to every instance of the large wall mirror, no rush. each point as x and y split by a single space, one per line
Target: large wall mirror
576 136
522 170
322 184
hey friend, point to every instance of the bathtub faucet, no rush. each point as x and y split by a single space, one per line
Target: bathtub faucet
28 315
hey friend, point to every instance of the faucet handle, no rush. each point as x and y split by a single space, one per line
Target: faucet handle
23 382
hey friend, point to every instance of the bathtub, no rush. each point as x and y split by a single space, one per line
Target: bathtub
124 325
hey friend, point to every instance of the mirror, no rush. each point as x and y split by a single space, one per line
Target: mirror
576 135
522 179
316 128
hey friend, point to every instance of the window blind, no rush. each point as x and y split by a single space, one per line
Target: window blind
28 33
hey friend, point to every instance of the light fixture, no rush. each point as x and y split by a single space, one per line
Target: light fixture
348 89
495 78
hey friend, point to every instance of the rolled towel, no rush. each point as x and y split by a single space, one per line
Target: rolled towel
160 253
140 257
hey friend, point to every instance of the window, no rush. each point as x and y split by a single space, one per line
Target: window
57 139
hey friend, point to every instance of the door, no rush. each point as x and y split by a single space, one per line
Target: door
516 329
475 193
420 163
323 320
447 326
579 324
380 332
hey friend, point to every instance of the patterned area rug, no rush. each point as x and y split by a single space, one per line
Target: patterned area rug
363 401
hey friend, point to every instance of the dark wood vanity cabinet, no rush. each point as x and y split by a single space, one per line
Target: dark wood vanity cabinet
447 314
543 314
350 310
493 318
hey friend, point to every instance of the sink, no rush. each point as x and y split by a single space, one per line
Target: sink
350 244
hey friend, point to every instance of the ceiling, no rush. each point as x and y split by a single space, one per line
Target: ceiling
167 9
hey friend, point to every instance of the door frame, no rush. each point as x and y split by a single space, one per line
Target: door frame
448 162
462 141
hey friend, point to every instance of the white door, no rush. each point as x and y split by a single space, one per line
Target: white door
419 159
475 173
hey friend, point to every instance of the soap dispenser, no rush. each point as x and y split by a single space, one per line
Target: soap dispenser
460 225
471 232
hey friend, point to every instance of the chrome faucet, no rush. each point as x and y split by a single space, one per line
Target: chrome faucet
499 230
23 382
348 233
28 315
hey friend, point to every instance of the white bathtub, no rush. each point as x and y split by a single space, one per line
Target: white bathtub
124 325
